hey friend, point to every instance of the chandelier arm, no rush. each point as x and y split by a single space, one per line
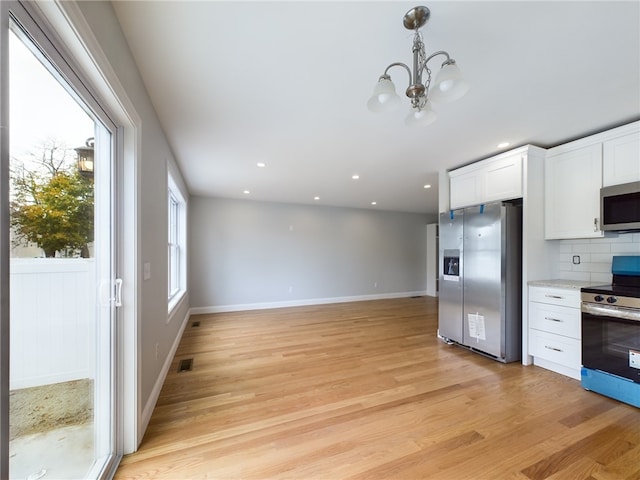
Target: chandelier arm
435 54
398 64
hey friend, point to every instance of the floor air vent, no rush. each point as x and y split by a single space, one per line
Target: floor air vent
196 323
185 365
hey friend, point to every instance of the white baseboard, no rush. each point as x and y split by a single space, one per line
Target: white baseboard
157 387
299 303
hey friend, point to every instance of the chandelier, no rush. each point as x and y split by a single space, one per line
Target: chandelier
448 84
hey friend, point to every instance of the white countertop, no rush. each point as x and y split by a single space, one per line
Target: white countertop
560 283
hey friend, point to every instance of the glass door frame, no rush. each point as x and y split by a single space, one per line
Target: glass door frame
24 15
5 247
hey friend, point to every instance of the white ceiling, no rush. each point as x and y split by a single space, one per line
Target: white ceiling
286 83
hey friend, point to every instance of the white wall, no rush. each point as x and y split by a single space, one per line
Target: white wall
595 256
246 254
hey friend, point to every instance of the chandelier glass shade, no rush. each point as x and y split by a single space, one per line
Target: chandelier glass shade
421 117
384 98
448 85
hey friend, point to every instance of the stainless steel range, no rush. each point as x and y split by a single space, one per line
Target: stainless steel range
611 333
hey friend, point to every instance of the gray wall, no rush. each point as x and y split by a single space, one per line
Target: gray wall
153 155
246 254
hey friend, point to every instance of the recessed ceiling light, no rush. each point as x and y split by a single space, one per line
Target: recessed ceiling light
374 203
427 186
316 198
261 164
246 192
355 177
503 144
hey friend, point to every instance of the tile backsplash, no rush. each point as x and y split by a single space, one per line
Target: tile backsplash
594 255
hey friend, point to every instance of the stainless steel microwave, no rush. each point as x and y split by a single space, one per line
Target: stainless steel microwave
620 207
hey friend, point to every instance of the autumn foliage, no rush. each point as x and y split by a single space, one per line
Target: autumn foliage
54 211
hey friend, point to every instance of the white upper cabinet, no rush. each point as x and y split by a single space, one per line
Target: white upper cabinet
497 178
621 161
503 179
465 189
575 172
572 183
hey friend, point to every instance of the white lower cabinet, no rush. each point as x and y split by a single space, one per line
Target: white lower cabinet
554 329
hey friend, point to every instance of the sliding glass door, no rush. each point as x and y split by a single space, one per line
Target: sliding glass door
62 290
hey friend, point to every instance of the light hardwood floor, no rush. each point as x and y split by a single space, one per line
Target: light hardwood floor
365 390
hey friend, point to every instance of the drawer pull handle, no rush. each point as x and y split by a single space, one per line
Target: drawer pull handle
554 296
552 348
553 319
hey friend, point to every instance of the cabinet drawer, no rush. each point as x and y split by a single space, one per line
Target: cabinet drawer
555 348
555 319
555 296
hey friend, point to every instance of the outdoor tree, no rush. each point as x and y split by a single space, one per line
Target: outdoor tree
52 205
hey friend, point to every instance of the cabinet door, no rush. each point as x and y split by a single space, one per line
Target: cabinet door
572 193
491 181
621 160
465 189
503 179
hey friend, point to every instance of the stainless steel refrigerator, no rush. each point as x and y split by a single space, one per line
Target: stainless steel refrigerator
480 279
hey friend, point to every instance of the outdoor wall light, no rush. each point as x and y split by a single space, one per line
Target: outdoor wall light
85 158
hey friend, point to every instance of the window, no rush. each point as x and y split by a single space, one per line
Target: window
176 243
174 247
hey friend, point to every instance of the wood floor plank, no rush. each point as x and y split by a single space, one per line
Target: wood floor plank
366 390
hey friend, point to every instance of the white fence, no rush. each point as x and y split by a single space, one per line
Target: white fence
52 320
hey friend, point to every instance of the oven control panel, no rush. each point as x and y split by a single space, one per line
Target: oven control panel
612 300
600 298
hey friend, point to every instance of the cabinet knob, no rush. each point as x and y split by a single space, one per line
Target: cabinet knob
595 224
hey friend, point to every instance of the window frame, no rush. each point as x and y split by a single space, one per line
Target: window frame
176 244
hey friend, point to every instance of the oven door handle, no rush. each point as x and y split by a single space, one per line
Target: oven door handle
615 312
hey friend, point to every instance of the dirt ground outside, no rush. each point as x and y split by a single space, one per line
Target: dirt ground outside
43 408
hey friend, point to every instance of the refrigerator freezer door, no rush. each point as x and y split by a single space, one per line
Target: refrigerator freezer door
450 276
482 315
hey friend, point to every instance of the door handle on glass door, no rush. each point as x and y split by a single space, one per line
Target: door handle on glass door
118 297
